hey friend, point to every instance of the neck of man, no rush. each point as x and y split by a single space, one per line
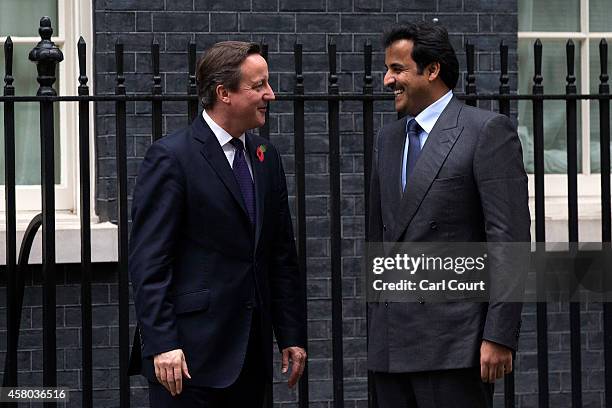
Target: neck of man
437 91
223 119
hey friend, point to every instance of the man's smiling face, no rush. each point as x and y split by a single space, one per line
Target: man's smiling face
250 101
411 88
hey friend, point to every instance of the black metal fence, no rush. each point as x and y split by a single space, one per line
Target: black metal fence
46 55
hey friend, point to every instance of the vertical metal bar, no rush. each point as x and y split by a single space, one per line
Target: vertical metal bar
604 133
368 126
46 55
121 153
86 330
300 196
572 204
12 321
368 142
264 131
504 88
335 230
604 136
156 105
470 79
504 109
538 133
509 398
538 143
572 148
191 88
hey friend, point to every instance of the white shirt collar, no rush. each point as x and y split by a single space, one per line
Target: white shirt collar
222 136
429 116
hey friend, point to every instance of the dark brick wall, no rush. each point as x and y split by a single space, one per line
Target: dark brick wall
280 23
105 335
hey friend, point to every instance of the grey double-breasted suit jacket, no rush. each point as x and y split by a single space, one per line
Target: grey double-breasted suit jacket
468 185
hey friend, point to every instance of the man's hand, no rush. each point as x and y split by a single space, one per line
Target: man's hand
169 370
495 361
297 356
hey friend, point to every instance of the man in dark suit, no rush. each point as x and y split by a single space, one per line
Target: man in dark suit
212 253
445 172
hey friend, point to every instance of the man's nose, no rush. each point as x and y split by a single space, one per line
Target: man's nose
269 95
388 80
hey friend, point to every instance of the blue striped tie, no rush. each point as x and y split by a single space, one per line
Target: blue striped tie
414 147
243 177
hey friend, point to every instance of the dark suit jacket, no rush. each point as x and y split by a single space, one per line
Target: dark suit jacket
468 185
199 267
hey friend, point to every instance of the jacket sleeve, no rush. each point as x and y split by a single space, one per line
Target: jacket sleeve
502 185
156 213
287 289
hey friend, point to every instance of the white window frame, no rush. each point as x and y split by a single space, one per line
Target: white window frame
589 187
75 18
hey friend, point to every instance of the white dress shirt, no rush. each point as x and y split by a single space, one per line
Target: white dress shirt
224 139
426 120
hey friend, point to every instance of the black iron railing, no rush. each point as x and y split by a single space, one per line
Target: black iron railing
46 55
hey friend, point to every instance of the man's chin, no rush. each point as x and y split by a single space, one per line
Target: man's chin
400 108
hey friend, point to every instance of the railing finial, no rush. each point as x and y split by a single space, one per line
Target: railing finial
46 55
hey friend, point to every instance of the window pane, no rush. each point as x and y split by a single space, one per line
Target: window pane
595 71
27 122
554 71
600 15
558 15
22 17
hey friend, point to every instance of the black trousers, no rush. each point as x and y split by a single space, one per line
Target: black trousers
459 388
247 392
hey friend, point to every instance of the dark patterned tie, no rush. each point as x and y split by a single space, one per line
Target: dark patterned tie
414 147
243 177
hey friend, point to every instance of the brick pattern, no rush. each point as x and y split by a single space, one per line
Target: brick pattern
314 23
105 335
173 23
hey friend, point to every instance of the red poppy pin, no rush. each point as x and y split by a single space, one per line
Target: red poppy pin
260 152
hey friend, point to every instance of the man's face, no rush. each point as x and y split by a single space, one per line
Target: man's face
249 102
412 90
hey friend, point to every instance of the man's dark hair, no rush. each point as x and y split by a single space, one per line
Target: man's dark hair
220 65
430 44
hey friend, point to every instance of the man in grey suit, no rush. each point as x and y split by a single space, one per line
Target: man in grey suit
446 172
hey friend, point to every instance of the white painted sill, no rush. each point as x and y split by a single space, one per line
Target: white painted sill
104 239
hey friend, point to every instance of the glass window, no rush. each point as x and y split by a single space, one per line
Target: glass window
595 71
554 72
27 122
560 15
600 15
21 17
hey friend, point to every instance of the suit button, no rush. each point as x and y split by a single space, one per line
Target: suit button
384 227
433 225
248 305
386 304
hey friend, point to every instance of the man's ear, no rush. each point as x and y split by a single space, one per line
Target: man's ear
433 71
222 94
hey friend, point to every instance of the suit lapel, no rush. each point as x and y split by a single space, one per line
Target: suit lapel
213 153
390 164
259 178
439 143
